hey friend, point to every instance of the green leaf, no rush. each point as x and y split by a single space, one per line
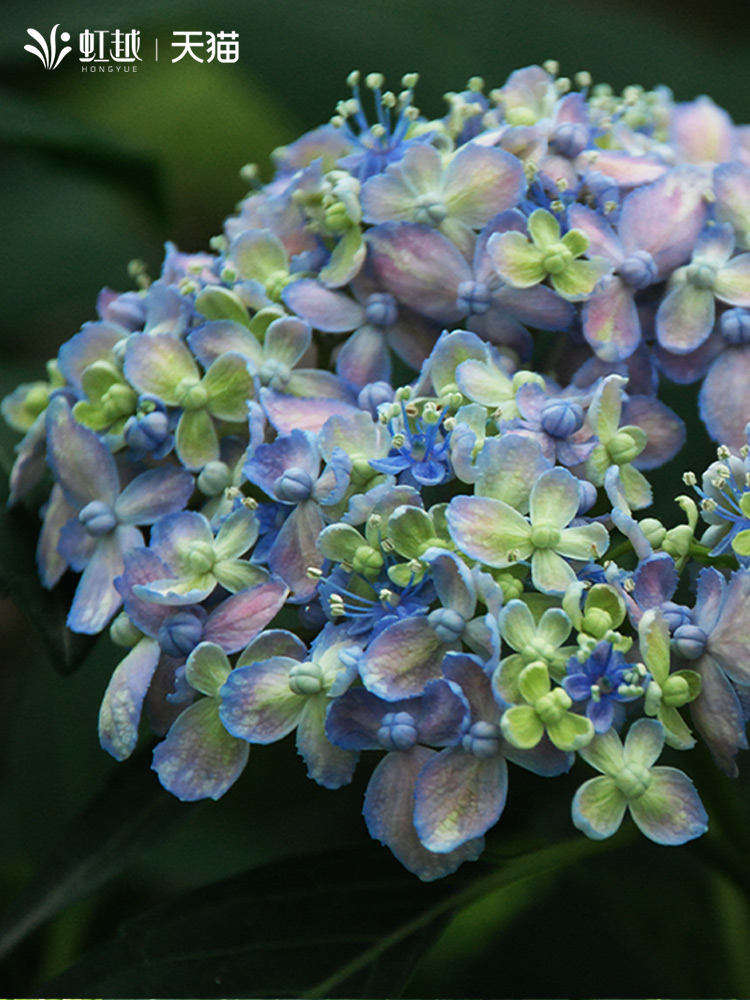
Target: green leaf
344 924
127 817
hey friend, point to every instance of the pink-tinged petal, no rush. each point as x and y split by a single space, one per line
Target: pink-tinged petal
458 797
489 530
142 567
82 464
270 461
257 703
287 413
724 401
389 814
321 307
95 342
295 551
480 182
718 716
364 358
238 619
702 132
210 341
669 811
665 431
313 383
403 659
598 808
96 600
687 368
420 266
729 642
709 599
154 493
158 365
327 764
623 168
610 320
120 713
603 240
685 318
199 759
50 563
732 189
733 281
665 218
539 306
392 196
452 580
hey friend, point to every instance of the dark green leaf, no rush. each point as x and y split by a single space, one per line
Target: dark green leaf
345 924
130 814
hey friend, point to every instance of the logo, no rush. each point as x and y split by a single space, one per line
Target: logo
48 52
119 50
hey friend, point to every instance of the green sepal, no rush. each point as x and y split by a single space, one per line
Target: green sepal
217 302
229 385
196 440
571 732
339 542
741 542
522 727
346 259
411 531
207 669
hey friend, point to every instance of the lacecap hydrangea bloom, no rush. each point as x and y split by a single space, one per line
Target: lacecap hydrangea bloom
343 412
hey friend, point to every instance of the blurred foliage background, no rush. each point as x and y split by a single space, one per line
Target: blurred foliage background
98 169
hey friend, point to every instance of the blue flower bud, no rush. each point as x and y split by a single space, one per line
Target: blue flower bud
569 139
473 298
214 478
381 309
397 731
147 433
447 624
373 395
180 634
639 270
97 518
675 614
690 641
588 493
561 418
482 740
294 485
735 326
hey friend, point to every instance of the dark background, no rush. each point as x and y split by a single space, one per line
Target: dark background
99 169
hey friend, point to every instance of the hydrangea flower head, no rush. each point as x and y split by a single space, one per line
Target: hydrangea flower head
407 407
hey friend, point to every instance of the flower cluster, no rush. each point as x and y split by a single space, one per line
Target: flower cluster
332 421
